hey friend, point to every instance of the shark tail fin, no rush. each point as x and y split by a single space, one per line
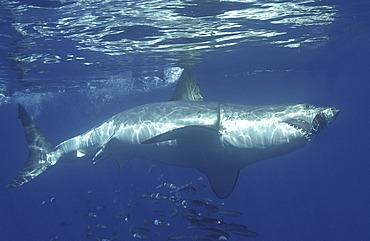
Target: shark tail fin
39 151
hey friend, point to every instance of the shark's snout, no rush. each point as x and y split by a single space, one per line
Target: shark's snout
324 118
331 114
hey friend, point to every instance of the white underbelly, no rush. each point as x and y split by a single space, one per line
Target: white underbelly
205 155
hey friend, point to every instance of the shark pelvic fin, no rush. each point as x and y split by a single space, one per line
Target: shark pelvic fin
106 151
222 181
39 148
187 88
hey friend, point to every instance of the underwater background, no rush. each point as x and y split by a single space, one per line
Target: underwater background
74 63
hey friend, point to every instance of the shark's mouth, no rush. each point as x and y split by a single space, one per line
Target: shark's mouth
302 126
319 122
309 129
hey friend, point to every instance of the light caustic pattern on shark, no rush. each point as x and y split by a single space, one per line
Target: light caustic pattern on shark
216 138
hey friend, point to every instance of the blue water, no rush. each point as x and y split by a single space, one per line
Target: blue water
73 64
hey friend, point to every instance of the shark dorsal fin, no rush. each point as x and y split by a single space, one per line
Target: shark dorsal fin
187 88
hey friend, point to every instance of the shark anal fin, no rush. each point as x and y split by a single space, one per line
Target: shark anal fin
222 181
39 148
187 88
122 160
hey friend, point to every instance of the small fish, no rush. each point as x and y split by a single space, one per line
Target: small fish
137 235
182 203
53 200
159 223
246 233
126 216
211 221
202 221
216 231
141 229
189 189
91 215
157 196
42 203
230 213
169 185
236 227
211 209
191 213
101 226
210 201
196 202
174 198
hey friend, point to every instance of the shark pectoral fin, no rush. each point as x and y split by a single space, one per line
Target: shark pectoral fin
222 181
187 88
187 133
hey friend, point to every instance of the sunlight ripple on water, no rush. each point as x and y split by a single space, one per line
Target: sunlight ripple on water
106 39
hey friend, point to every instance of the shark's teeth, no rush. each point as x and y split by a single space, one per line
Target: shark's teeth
304 133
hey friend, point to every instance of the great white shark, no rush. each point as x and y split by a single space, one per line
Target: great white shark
216 138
